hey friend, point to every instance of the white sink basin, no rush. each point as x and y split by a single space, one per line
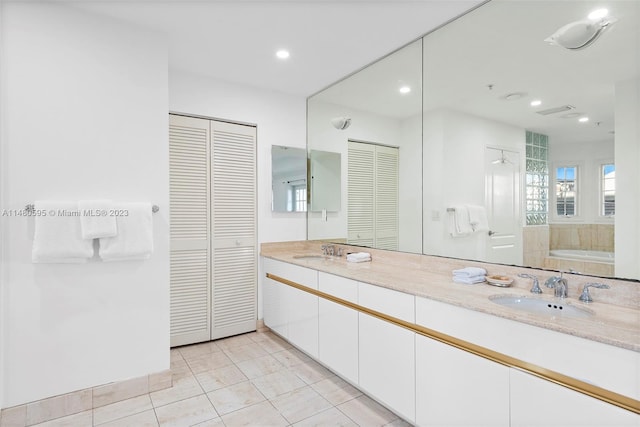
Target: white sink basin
545 307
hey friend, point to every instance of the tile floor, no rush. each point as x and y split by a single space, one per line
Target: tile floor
255 379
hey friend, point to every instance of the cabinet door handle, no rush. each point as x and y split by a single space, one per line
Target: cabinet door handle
491 233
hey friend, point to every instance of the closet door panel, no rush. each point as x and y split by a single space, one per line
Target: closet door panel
386 212
361 194
233 207
189 230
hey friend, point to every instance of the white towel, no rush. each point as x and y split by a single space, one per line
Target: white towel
459 224
470 272
57 237
96 220
469 280
135 234
478 218
359 257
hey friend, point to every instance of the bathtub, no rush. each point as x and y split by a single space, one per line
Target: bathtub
583 255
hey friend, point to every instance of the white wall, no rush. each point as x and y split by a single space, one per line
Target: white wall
369 127
84 101
3 166
589 157
281 121
627 232
454 174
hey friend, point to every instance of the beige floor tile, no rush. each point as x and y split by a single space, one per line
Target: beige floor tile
143 419
329 417
209 362
399 423
175 355
180 369
365 411
290 357
186 412
182 389
278 383
220 378
245 352
274 343
311 372
260 414
234 341
300 404
122 409
235 397
216 422
197 350
336 390
160 380
82 419
260 366
260 336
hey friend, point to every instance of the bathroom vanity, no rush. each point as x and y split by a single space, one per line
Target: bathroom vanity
442 353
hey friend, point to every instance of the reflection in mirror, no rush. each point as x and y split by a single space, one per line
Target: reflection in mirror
373 119
562 118
288 179
538 137
325 181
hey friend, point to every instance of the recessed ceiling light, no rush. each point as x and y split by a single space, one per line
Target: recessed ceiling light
282 54
598 14
405 89
513 96
583 119
535 102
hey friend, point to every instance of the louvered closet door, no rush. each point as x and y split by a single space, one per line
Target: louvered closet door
361 194
189 230
386 205
234 258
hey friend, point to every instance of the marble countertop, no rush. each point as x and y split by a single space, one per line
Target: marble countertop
430 277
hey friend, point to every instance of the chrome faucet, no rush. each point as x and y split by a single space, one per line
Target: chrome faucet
559 284
535 289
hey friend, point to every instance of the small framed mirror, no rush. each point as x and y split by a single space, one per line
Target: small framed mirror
325 181
288 179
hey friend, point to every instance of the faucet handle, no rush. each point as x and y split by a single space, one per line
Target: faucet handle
535 289
586 296
551 281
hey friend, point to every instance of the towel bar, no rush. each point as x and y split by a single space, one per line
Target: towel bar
31 208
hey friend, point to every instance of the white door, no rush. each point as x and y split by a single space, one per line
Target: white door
189 230
233 237
502 201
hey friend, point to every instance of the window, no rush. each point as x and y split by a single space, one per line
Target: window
537 178
566 190
300 192
608 189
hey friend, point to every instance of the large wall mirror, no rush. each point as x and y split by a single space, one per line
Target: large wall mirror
516 130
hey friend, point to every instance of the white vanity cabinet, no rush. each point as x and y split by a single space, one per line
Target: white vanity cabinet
387 351
457 388
338 326
536 402
288 311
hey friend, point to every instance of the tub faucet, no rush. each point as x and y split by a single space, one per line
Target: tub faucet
559 284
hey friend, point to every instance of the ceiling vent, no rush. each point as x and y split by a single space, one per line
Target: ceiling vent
556 110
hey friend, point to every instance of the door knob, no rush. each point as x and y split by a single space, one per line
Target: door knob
491 233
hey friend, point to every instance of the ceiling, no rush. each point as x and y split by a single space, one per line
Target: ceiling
502 44
236 40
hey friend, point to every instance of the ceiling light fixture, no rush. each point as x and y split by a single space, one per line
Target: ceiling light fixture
570 115
556 110
581 34
514 96
404 89
583 119
283 54
535 102
341 123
